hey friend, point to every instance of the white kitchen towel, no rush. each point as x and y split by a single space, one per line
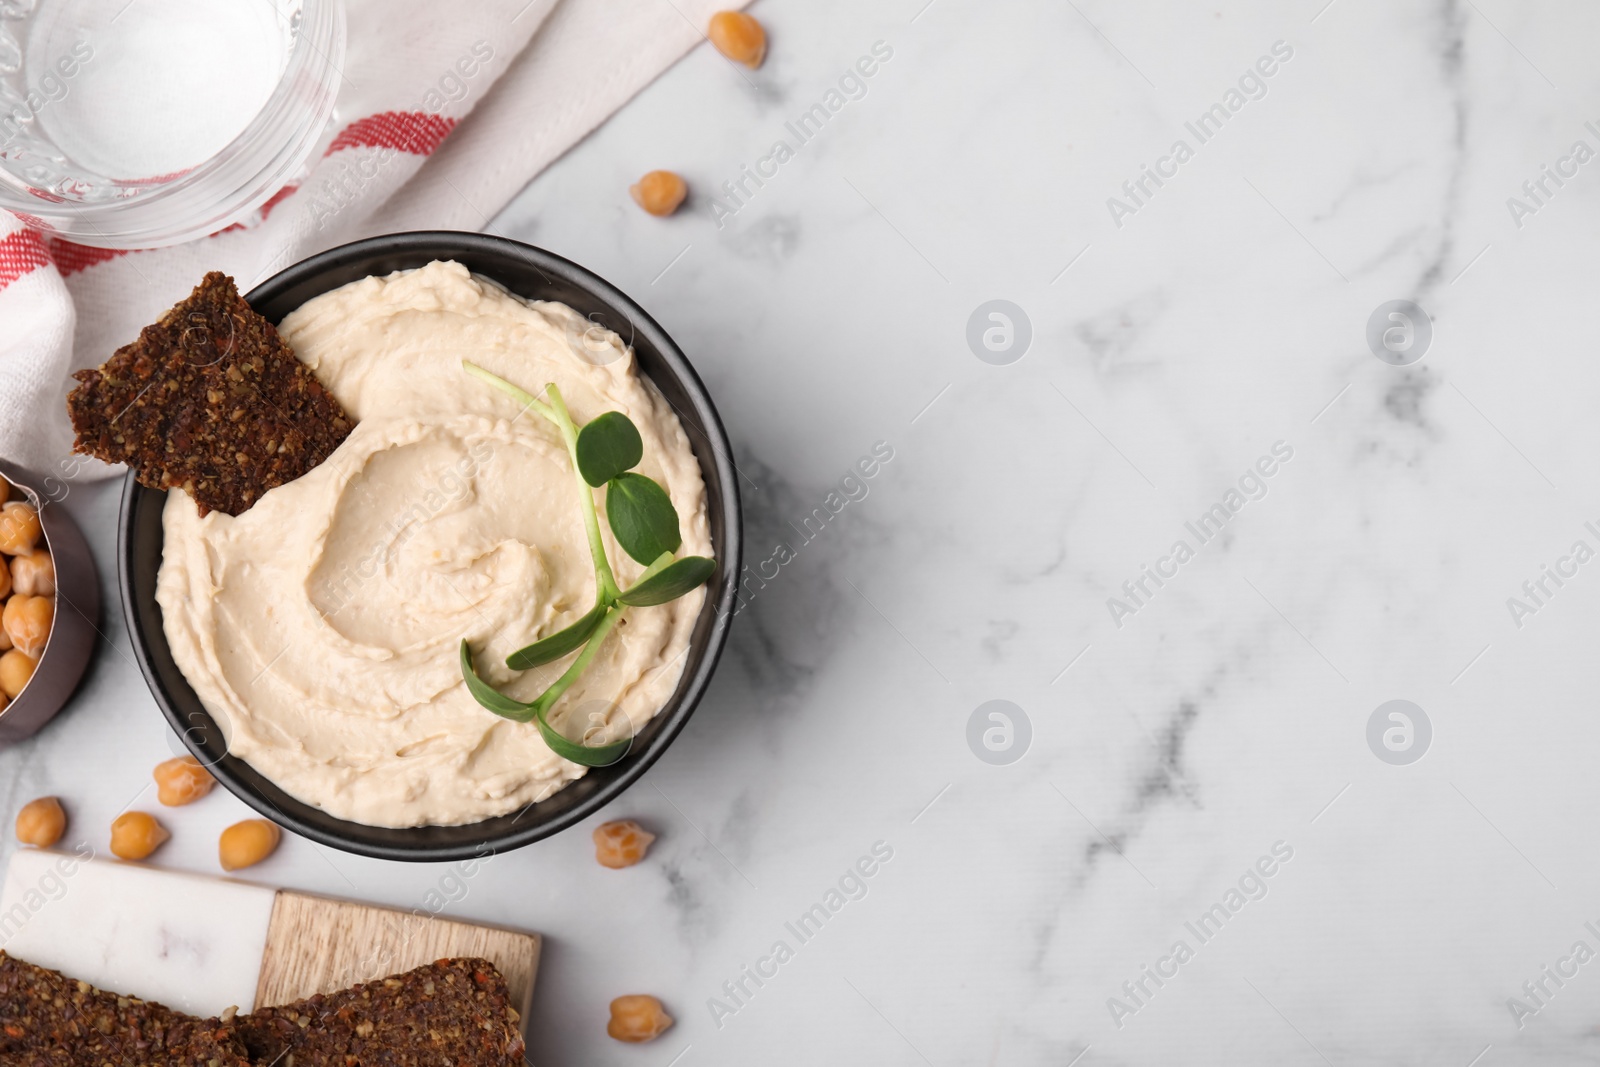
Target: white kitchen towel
440 121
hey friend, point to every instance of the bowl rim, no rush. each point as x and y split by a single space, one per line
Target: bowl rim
73 641
723 601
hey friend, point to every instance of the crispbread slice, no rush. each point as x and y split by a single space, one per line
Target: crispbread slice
210 400
453 1011
48 1020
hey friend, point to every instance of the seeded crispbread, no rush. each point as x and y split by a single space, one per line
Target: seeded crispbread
455 1011
210 400
48 1020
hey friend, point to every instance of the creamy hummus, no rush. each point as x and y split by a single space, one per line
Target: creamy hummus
321 626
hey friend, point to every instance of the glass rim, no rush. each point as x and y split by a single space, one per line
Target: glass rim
229 184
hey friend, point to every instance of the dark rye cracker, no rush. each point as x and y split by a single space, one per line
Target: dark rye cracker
454 1012
48 1020
210 400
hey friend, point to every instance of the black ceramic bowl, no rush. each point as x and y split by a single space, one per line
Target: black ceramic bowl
528 272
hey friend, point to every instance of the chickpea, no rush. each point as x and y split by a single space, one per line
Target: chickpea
5 577
136 834
41 822
739 37
660 192
19 528
16 667
34 575
617 844
179 781
5 490
245 844
27 622
637 1018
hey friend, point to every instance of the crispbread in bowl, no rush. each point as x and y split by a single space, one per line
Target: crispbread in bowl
73 632
528 272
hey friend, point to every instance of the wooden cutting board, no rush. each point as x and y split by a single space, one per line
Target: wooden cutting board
201 944
318 945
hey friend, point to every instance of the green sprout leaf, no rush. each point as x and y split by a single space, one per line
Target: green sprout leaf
642 517
670 583
488 696
644 523
557 644
607 446
517 711
581 754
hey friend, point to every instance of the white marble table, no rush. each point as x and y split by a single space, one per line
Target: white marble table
1175 746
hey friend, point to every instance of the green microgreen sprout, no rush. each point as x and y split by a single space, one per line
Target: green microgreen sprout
642 520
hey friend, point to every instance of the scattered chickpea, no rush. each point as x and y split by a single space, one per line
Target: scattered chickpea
16 667
27 621
617 844
5 578
660 192
637 1018
739 37
41 822
178 781
33 575
19 528
245 844
136 834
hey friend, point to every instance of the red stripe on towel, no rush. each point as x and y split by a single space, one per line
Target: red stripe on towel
416 132
20 253
71 258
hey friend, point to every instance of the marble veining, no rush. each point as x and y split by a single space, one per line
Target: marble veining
1169 749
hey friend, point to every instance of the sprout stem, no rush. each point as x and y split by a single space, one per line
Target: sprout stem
606 589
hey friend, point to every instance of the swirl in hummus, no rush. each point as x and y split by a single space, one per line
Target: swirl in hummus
321 626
